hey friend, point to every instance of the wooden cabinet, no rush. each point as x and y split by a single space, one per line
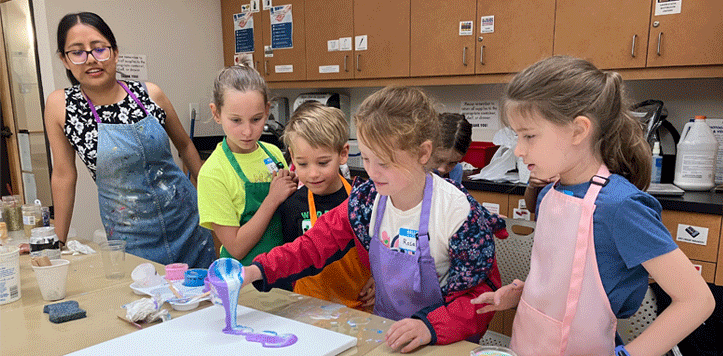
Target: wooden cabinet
322 27
692 37
706 256
603 34
286 64
386 25
437 48
228 9
523 32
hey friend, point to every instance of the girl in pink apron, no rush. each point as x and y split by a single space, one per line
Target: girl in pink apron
429 243
598 236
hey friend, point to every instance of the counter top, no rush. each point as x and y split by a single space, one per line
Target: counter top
695 202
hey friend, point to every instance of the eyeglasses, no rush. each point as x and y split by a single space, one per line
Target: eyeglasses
78 56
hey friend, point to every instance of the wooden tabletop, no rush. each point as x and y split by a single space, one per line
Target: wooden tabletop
26 330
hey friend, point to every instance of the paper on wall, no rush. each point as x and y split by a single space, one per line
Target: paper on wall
667 7
243 28
482 114
487 24
132 66
282 27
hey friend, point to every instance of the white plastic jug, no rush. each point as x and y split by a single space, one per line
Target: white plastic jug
696 156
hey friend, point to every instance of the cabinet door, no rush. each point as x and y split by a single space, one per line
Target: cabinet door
327 21
386 25
599 32
437 47
286 64
228 9
692 37
523 32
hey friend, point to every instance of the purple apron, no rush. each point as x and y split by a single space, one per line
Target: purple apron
405 283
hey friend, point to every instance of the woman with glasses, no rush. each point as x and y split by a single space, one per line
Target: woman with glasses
120 130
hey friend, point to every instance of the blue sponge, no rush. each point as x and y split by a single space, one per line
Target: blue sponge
64 311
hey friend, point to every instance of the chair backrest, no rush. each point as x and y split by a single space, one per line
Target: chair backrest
513 253
633 326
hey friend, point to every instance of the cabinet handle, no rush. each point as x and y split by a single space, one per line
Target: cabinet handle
346 57
266 67
660 39
632 51
357 63
464 56
482 55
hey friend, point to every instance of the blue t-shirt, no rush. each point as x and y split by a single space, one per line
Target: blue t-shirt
628 231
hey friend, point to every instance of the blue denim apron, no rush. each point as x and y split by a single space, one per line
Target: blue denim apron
144 198
406 283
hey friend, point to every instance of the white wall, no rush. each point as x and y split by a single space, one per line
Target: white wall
183 46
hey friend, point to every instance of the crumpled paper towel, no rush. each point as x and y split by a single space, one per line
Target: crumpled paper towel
76 248
146 309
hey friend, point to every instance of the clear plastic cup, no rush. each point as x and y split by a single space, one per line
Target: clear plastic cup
113 253
51 279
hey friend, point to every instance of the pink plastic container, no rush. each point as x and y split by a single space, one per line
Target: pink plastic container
176 271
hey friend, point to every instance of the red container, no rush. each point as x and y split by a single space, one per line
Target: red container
479 154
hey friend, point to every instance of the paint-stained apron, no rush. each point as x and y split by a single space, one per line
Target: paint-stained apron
144 198
405 283
564 309
256 192
341 281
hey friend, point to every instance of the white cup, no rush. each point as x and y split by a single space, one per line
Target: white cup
51 279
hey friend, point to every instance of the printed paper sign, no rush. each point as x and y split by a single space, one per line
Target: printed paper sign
345 44
266 4
332 45
667 7
492 207
465 28
246 8
244 58
268 52
282 29
287 68
329 69
487 24
131 66
360 43
717 126
522 214
254 4
243 28
482 114
698 268
692 234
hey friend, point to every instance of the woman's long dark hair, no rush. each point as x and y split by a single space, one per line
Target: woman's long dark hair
86 18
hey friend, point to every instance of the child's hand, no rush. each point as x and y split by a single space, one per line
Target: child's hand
504 298
282 186
251 274
412 332
368 292
540 182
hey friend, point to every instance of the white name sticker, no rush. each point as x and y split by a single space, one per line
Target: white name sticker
271 165
692 234
408 240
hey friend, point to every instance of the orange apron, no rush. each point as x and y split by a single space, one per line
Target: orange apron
339 282
564 309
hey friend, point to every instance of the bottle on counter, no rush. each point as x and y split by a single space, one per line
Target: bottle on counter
12 212
32 218
657 165
696 156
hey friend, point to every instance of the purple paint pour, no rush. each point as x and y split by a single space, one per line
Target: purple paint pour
224 279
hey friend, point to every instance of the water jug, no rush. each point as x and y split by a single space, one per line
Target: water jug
696 157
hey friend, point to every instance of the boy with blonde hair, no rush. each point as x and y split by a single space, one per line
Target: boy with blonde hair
316 137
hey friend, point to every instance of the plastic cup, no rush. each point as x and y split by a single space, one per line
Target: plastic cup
113 253
51 279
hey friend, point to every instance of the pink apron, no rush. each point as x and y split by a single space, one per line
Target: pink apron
564 309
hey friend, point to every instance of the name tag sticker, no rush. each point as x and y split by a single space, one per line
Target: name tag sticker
408 241
270 165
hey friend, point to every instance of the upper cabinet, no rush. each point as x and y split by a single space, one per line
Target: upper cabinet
229 8
381 38
329 39
442 37
286 63
690 38
599 31
513 34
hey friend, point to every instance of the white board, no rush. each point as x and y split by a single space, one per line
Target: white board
199 333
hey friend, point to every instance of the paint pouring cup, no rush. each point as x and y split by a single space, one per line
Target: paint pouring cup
176 271
113 253
51 279
9 274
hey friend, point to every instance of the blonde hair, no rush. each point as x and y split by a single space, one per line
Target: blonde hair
242 78
561 88
397 118
319 125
